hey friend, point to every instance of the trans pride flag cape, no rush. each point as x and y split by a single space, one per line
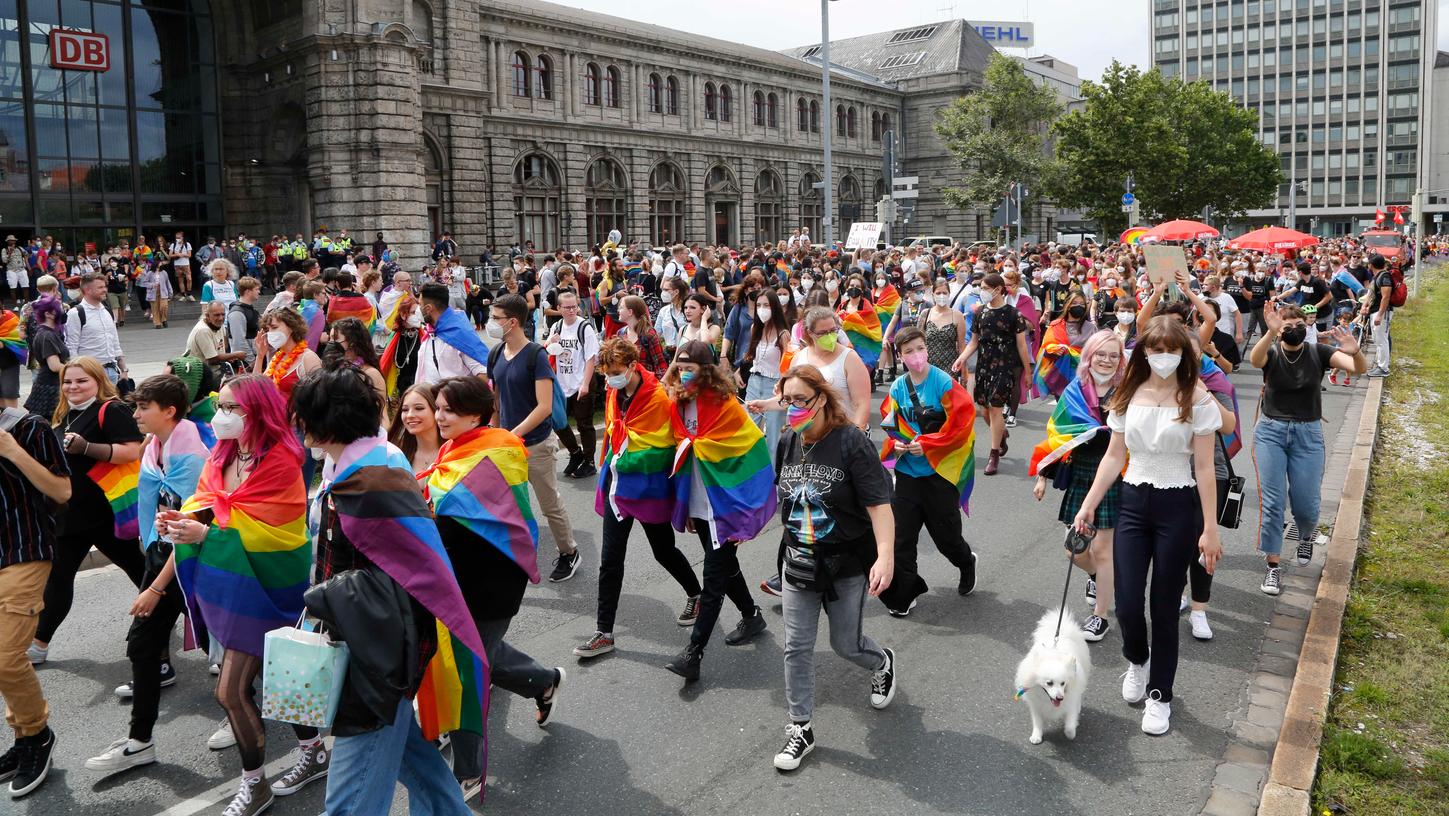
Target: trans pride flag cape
481 481
247 576
383 514
1077 418
455 330
638 455
10 336
950 451
734 466
120 484
1216 381
863 328
183 457
351 304
316 321
1056 362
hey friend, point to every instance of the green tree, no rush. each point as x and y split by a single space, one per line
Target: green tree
1185 145
998 134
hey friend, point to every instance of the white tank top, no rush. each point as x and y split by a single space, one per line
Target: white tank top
834 374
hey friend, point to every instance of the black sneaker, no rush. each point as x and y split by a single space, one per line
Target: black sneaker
883 682
585 469
799 741
686 664
575 459
35 755
565 566
1305 552
548 706
1095 628
968 578
9 762
747 628
1091 595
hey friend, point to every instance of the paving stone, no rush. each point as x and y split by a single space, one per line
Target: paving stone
1267 698
1244 779
1224 802
1246 755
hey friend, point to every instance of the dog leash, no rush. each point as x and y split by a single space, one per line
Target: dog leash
1061 613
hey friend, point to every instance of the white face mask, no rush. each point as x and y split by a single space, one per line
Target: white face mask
277 338
1126 318
227 426
617 381
1165 364
763 315
81 406
415 320
880 283
1109 284
1100 378
806 283
494 330
941 300
832 286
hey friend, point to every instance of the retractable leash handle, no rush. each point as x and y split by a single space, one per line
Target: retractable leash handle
1077 543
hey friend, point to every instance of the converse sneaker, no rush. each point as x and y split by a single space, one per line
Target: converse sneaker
120 756
1200 628
565 566
799 741
33 757
1272 580
1011 420
1305 552
548 705
690 613
222 738
1155 714
599 644
37 654
883 682
252 797
746 628
1134 682
1095 628
1091 594
168 679
771 586
313 762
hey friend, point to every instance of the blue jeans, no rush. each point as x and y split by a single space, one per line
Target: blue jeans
366 769
762 387
1289 459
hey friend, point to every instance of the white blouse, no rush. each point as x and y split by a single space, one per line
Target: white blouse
1159 446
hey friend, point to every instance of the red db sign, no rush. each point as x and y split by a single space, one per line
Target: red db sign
79 50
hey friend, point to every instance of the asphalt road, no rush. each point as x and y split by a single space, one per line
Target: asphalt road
632 739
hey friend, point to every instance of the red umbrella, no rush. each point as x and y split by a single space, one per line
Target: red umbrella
1181 230
1273 239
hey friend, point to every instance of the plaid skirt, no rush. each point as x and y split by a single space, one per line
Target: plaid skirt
1083 471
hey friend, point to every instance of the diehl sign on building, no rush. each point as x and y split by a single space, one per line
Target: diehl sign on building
79 50
1006 35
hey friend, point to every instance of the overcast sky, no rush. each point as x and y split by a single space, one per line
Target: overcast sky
1086 33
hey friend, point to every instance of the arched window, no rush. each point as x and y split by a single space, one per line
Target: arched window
606 191
772 111
711 102
671 96
885 124
850 123
875 126
421 22
726 103
759 100
655 92
802 112
542 77
769 207
433 178
591 84
814 116
721 180
811 210
849 203
537 197
666 204
611 87
839 120
521 83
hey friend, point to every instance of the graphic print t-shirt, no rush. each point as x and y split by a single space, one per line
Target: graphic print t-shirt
824 492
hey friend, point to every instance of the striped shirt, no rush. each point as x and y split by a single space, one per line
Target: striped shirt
27 520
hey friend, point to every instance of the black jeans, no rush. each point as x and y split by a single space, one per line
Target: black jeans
1158 529
722 577
933 503
70 551
611 562
581 409
149 642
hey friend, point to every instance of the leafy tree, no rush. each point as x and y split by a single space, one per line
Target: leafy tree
998 134
1185 145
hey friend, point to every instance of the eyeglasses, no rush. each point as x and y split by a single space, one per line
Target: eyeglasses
798 401
228 407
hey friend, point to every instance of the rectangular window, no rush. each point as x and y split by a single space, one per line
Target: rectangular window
1335 161
1318 107
1237 36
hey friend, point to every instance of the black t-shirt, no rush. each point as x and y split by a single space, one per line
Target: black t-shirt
1258 292
1235 290
492 584
824 492
1223 342
1381 280
1314 290
1291 382
88 508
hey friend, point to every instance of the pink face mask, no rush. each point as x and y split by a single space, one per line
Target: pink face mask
915 361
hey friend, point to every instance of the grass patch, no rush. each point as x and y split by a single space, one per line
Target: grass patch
1386 742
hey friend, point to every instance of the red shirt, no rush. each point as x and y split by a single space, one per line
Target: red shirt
271 252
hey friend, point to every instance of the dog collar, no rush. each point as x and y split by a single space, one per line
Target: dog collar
1020 693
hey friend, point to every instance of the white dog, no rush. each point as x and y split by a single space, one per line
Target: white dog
1052 678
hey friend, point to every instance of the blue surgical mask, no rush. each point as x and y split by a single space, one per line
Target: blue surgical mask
687 377
617 381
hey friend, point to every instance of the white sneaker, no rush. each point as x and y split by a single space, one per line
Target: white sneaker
222 738
1200 628
215 669
1183 604
119 757
470 787
1134 682
37 654
1155 716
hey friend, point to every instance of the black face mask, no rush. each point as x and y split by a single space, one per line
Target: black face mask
1295 335
1077 312
332 349
853 292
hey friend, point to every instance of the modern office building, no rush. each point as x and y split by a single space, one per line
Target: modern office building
1342 88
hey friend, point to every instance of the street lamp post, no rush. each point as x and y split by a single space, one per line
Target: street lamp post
829 122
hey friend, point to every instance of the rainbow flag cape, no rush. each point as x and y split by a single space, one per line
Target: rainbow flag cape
863 328
951 451
481 481
120 483
202 412
782 269
387 306
316 321
10 336
384 515
455 330
389 367
1216 381
734 466
247 576
351 304
1075 421
638 455
184 456
887 301
1056 362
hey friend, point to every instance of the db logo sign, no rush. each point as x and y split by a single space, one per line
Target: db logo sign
79 50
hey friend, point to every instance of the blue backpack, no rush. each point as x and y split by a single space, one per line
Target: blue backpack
559 418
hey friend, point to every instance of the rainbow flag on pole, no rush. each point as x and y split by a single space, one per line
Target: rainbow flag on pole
10 336
638 455
1056 363
864 330
481 481
951 451
1074 422
734 465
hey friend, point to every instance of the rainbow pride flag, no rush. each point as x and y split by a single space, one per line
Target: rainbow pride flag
1216 380
384 515
782 269
247 576
202 412
120 483
351 304
1075 421
316 321
388 305
175 467
864 330
481 481
389 367
734 466
951 451
887 301
10 336
638 455
1056 362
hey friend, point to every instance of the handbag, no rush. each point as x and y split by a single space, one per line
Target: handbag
302 676
1230 506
